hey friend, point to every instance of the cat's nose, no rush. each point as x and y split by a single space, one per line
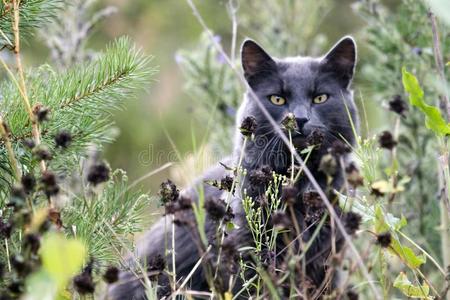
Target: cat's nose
301 122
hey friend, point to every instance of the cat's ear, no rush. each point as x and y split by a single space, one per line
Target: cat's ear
341 60
255 60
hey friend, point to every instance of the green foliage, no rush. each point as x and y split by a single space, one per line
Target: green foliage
62 258
66 196
107 220
397 39
33 14
433 117
412 291
81 100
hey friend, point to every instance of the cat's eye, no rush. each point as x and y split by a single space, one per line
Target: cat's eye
277 100
320 99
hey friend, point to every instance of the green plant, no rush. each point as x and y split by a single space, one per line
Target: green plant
61 207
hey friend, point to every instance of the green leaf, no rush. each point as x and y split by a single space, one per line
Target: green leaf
390 223
408 289
433 117
406 254
62 258
387 222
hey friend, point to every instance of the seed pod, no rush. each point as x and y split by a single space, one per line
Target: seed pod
42 152
289 194
289 122
386 140
248 126
339 148
41 112
29 143
48 179
280 220
315 138
28 182
260 177
217 210
98 173
63 139
168 192
352 221
384 239
398 105
111 274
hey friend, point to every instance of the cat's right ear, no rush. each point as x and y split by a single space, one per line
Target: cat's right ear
255 60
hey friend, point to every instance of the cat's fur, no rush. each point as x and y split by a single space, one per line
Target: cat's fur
299 80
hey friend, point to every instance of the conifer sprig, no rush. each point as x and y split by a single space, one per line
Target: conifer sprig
80 100
33 13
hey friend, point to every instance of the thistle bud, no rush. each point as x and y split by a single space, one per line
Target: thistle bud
248 126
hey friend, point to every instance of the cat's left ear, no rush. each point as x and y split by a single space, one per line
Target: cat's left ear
341 60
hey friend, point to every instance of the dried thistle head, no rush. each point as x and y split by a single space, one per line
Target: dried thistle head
384 239
386 140
289 122
248 126
398 105
168 192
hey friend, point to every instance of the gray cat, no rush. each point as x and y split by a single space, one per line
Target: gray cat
316 91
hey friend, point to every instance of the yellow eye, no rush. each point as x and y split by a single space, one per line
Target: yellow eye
277 100
320 99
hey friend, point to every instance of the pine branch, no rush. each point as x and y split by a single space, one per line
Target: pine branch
33 14
116 207
81 100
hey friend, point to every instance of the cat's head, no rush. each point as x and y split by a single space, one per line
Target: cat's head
315 90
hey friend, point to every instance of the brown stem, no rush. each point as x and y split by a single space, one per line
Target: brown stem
9 149
26 101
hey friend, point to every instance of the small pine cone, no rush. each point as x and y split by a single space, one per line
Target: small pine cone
84 284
